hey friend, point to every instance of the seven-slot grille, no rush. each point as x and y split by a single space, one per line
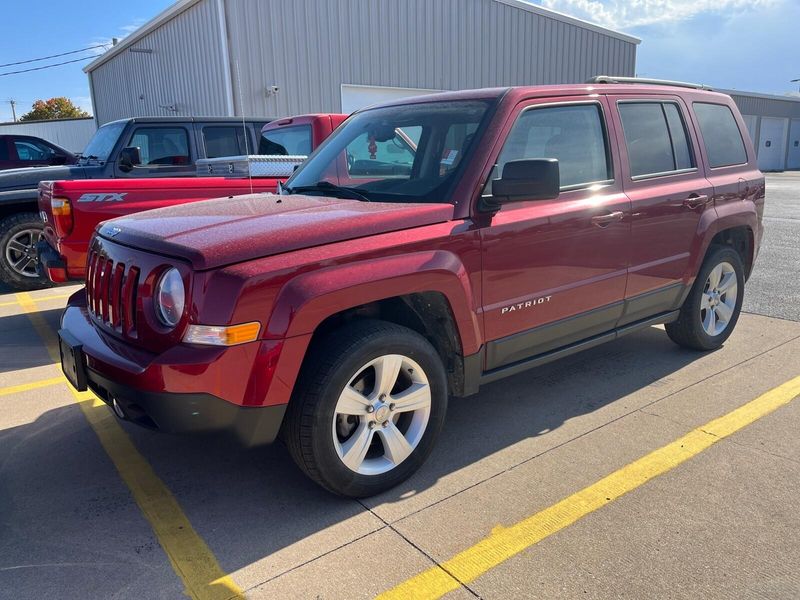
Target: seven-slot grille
111 293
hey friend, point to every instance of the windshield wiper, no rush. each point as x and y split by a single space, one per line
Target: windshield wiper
326 187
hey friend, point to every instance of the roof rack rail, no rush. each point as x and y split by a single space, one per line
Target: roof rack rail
614 79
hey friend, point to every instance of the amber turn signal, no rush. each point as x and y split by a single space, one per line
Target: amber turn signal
213 335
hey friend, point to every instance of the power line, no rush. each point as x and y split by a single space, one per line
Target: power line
22 62
66 62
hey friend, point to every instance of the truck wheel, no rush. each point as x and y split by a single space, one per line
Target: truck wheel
18 258
368 407
712 308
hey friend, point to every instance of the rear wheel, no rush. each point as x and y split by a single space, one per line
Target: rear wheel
19 259
710 312
368 408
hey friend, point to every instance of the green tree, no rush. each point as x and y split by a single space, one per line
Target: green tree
54 108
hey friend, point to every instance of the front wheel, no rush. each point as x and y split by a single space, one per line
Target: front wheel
711 309
368 408
19 259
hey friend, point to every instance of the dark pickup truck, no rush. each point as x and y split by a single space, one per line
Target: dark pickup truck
167 147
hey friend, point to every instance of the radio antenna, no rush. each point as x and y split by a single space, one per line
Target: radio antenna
244 126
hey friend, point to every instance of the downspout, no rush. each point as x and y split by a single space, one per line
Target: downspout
226 59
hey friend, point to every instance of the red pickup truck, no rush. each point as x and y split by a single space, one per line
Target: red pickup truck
72 209
520 225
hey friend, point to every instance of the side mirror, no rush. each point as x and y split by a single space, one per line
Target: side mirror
59 159
129 157
527 179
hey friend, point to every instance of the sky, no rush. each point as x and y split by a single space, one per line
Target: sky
734 44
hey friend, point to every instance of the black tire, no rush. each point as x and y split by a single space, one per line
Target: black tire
688 330
9 227
330 366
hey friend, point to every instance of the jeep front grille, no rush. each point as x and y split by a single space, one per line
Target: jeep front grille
111 293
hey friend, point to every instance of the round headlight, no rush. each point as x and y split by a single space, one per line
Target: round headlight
170 298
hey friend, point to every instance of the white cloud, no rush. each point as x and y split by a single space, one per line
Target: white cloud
107 42
636 13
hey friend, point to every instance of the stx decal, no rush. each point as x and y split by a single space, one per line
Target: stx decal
523 305
101 197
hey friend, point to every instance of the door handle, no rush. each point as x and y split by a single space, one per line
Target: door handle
695 201
606 220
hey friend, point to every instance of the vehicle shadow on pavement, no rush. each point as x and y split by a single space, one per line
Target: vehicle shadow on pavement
254 505
20 344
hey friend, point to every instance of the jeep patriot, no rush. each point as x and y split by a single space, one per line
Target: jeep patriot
429 246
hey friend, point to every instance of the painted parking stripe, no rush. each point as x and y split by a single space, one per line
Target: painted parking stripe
506 542
191 558
33 385
37 299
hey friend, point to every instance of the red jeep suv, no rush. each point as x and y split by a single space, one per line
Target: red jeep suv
429 246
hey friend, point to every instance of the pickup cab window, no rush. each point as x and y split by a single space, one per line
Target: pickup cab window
287 141
226 140
404 153
162 146
574 134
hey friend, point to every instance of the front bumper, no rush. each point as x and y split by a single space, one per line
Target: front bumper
183 390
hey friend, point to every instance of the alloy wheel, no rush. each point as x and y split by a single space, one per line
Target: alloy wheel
718 302
381 414
21 254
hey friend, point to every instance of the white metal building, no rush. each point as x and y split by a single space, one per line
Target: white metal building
70 134
774 125
283 57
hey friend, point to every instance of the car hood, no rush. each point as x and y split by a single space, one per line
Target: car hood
224 231
29 177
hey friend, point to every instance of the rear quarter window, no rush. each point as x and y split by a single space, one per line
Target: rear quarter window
721 136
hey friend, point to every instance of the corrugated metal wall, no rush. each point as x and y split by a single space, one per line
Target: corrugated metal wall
184 69
308 48
766 107
70 134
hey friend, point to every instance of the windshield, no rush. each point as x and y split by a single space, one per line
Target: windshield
405 153
103 142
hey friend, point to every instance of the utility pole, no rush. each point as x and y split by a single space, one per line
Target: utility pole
13 104
797 81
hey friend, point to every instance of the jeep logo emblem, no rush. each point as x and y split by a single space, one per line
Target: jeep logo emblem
102 197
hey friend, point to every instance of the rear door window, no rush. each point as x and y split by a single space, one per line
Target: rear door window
162 146
286 141
225 140
655 137
575 135
721 135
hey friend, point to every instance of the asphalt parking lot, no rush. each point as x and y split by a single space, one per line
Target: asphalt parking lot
636 469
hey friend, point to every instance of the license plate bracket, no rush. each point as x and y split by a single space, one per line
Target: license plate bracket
73 360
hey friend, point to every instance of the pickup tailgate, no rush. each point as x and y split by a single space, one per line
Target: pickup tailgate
72 209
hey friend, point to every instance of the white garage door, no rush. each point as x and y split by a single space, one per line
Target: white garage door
359 96
794 146
772 144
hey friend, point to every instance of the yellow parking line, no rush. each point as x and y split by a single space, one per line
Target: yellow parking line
24 387
506 542
40 299
191 558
